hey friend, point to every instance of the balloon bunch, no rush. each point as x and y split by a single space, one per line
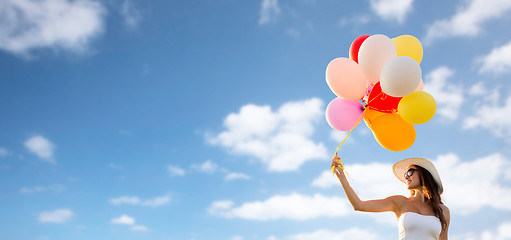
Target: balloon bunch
381 82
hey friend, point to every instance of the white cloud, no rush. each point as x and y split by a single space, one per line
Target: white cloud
486 174
130 221
501 232
56 216
469 19
237 238
278 139
497 61
269 11
338 136
157 201
123 220
140 228
32 190
175 171
448 97
493 116
133 200
392 9
235 176
349 234
371 181
480 90
131 14
125 200
284 207
41 147
27 25
207 167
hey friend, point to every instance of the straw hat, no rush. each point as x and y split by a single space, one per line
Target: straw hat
402 166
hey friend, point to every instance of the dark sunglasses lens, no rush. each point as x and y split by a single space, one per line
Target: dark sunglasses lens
409 173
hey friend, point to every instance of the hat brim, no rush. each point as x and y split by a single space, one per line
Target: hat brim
402 166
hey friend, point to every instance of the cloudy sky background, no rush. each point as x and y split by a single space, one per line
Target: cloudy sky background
134 119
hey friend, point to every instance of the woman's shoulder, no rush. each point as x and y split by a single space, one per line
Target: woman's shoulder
399 200
398 197
444 208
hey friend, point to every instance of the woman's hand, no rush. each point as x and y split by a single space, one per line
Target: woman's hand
337 166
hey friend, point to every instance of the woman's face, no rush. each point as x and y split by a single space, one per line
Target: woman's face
412 178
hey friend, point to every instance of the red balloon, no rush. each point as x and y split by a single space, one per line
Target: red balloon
382 102
355 46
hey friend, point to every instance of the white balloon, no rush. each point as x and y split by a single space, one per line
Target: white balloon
400 76
374 53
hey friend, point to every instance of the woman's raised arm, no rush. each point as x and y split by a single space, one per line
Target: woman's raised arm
391 203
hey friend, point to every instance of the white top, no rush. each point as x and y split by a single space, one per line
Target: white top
414 226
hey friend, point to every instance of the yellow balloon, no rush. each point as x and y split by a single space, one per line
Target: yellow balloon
392 132
408 45
417 108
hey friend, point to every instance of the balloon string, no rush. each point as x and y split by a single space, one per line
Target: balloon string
356 124
347 135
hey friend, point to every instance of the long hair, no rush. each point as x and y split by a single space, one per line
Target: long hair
432 194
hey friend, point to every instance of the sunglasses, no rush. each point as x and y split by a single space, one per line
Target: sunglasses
410 172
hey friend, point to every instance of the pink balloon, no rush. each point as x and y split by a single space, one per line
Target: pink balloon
345 79
342 114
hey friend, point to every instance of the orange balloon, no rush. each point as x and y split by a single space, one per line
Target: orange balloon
392 132
370 115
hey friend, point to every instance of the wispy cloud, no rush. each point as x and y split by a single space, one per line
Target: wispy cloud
270 10
355 20
56 216
280 139
284 207
61 24
41 147
207 167
236 176
175 171
392 9
123 220
493 116
130 14
448 96
497 61
468 20
130 221
134 200
38 189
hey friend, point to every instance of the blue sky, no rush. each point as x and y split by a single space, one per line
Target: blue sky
127 119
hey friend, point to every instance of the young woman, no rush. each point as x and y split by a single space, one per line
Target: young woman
422 216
